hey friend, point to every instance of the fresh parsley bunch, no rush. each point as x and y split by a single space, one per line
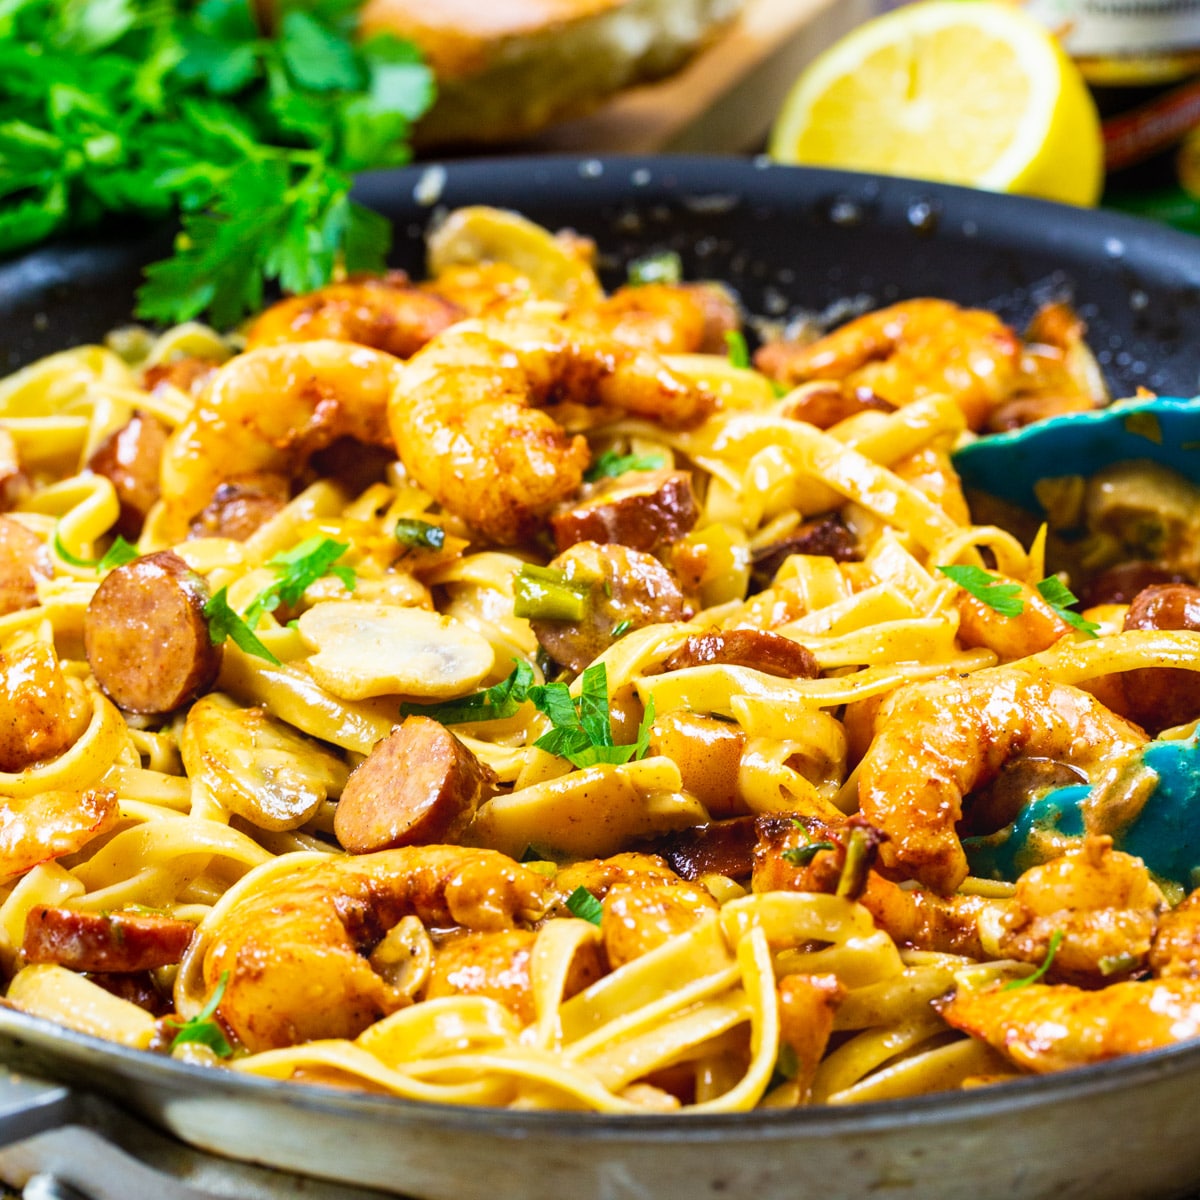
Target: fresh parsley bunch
251 132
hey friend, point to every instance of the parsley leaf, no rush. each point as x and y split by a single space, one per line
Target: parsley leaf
419 535
1004 598
610 464
224 623
149 108
739 352
801 856
494 703
1060 598
202 1028
581 903
582 732
117 555
1051 950
311 560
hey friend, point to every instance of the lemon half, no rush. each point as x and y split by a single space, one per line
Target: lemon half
972 93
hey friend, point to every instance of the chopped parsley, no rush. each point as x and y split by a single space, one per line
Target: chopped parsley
202 1028
224 623
801 856
311 560
1051 950
1004 598
582 904
1060 597
610 464
739 352
250 135
582 732
117 555
419 535
493 704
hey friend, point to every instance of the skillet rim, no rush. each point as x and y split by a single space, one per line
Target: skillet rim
1088 235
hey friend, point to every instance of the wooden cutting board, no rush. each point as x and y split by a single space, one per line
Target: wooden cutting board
725 100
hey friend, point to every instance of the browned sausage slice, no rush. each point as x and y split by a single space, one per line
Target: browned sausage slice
825 404
640 509
771 653
188 373
130 457
628 589
238 509
418 786
146 636
1159 697
827 536
115 942
23 559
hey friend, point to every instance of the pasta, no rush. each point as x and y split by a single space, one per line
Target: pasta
571 714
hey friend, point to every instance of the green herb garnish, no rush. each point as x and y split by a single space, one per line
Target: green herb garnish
224 623
582 732
801 856
663 267
610 464
493 704
154 108
1051 950
1004 598
621 628
1060 597
419 535
739 352
582 904
311 560
202 1028
117 555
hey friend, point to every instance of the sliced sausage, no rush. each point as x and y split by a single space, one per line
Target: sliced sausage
1159 697
1120 584
718 848
825 536
238 509
771 653
628 589
640 509
130 457
418 786
23 561
825 404
146 635
114 942
138 988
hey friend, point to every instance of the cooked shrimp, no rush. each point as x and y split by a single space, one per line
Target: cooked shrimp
807 1006
295 951
908 351
637 919
386 312
43 710
467 429
268 410
938 740
499 965
668 318
1101 903
1049 1027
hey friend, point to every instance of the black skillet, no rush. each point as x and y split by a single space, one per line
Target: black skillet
787 240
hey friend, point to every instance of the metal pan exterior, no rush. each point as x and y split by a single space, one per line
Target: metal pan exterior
787 239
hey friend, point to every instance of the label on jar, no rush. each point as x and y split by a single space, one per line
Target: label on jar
1121 28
